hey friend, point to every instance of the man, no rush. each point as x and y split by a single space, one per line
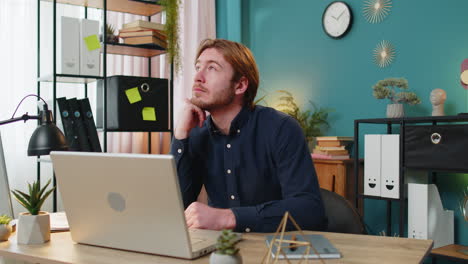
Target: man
253 161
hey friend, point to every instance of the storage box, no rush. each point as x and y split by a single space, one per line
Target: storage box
135 104
438 147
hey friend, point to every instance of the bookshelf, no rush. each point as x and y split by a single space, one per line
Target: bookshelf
134 7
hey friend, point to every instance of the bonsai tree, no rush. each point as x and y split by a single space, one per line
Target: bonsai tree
35 198
311 122
225 243
5 219
387 88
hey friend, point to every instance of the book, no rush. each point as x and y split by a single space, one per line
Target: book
336 157
331 143
144 24
88 121
143 32
334 138
331 152
145 40
323 148
322 245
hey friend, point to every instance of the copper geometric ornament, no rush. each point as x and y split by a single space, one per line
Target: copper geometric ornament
376 10
384 54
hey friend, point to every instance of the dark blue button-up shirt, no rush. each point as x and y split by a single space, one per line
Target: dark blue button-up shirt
262 169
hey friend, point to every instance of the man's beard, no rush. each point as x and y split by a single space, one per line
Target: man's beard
221 99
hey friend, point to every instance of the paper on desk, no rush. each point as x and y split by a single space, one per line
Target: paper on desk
59 222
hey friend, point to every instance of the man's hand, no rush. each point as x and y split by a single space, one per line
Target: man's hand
202 216
190 117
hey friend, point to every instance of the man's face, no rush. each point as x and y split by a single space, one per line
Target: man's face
212 86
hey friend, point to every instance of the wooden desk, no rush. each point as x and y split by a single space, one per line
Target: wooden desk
450 252
355 249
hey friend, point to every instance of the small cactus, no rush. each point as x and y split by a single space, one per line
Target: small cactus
225 244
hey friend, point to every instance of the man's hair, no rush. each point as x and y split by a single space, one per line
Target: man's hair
242 61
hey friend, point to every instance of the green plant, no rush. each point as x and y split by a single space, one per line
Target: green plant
36 197
110 30
5 219
225 243
311 122
387 89
172 31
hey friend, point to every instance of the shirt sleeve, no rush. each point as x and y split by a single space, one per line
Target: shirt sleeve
190 180
299 185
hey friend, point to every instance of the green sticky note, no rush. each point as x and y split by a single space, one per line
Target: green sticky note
92 42
133 95
149 114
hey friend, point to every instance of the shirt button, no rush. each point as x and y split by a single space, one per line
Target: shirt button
228 171
247 230
238 131
233 197
228 146
179 150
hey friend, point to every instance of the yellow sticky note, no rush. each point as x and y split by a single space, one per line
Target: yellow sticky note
133 95
149 114
92 42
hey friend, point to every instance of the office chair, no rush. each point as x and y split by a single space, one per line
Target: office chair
342 216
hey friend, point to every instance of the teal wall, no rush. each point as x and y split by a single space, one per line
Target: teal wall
293 53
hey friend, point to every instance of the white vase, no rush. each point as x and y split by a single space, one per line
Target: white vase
395 110
225 259
33 229
5 232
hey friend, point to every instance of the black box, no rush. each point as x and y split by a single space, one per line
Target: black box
123 115
438 147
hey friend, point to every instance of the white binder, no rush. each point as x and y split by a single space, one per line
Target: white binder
390 167
427 218
372 164
89 60
68 46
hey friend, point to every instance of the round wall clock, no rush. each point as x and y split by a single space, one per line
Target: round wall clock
337 19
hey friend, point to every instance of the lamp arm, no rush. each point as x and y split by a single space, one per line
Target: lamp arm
24 118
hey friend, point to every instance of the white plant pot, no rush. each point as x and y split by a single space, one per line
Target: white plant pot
395 110
225 259
33 229
5 232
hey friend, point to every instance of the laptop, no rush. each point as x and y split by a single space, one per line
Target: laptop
127 201
5 201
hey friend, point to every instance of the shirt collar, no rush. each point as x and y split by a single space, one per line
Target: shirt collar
241 118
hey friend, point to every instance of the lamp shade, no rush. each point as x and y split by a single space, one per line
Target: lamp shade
46 138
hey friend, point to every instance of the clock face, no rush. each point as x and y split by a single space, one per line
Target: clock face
337 19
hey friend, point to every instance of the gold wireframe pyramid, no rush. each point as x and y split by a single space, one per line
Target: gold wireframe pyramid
292 243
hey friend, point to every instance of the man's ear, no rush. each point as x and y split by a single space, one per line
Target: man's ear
241 85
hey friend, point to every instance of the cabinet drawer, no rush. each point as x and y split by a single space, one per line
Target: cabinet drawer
443 147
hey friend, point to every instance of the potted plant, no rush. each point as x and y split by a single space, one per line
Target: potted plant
34 225
312 122
226 252
5 227
387 88
110 35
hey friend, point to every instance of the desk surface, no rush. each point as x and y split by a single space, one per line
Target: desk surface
355 249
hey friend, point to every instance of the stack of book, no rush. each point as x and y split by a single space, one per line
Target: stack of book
142 32
332 148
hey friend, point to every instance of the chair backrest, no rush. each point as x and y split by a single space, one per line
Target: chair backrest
342 217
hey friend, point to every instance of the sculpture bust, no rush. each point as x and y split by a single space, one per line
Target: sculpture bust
438 97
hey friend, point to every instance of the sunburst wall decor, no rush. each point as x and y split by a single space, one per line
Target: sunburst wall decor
376 10
384 53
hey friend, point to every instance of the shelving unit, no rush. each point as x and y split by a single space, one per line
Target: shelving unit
135 7
401 123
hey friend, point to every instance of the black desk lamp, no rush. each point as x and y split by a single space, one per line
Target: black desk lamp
47 136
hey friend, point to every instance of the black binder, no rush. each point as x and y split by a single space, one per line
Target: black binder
68 124
89 124
78 124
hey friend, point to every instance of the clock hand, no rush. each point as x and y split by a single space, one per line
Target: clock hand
340 14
